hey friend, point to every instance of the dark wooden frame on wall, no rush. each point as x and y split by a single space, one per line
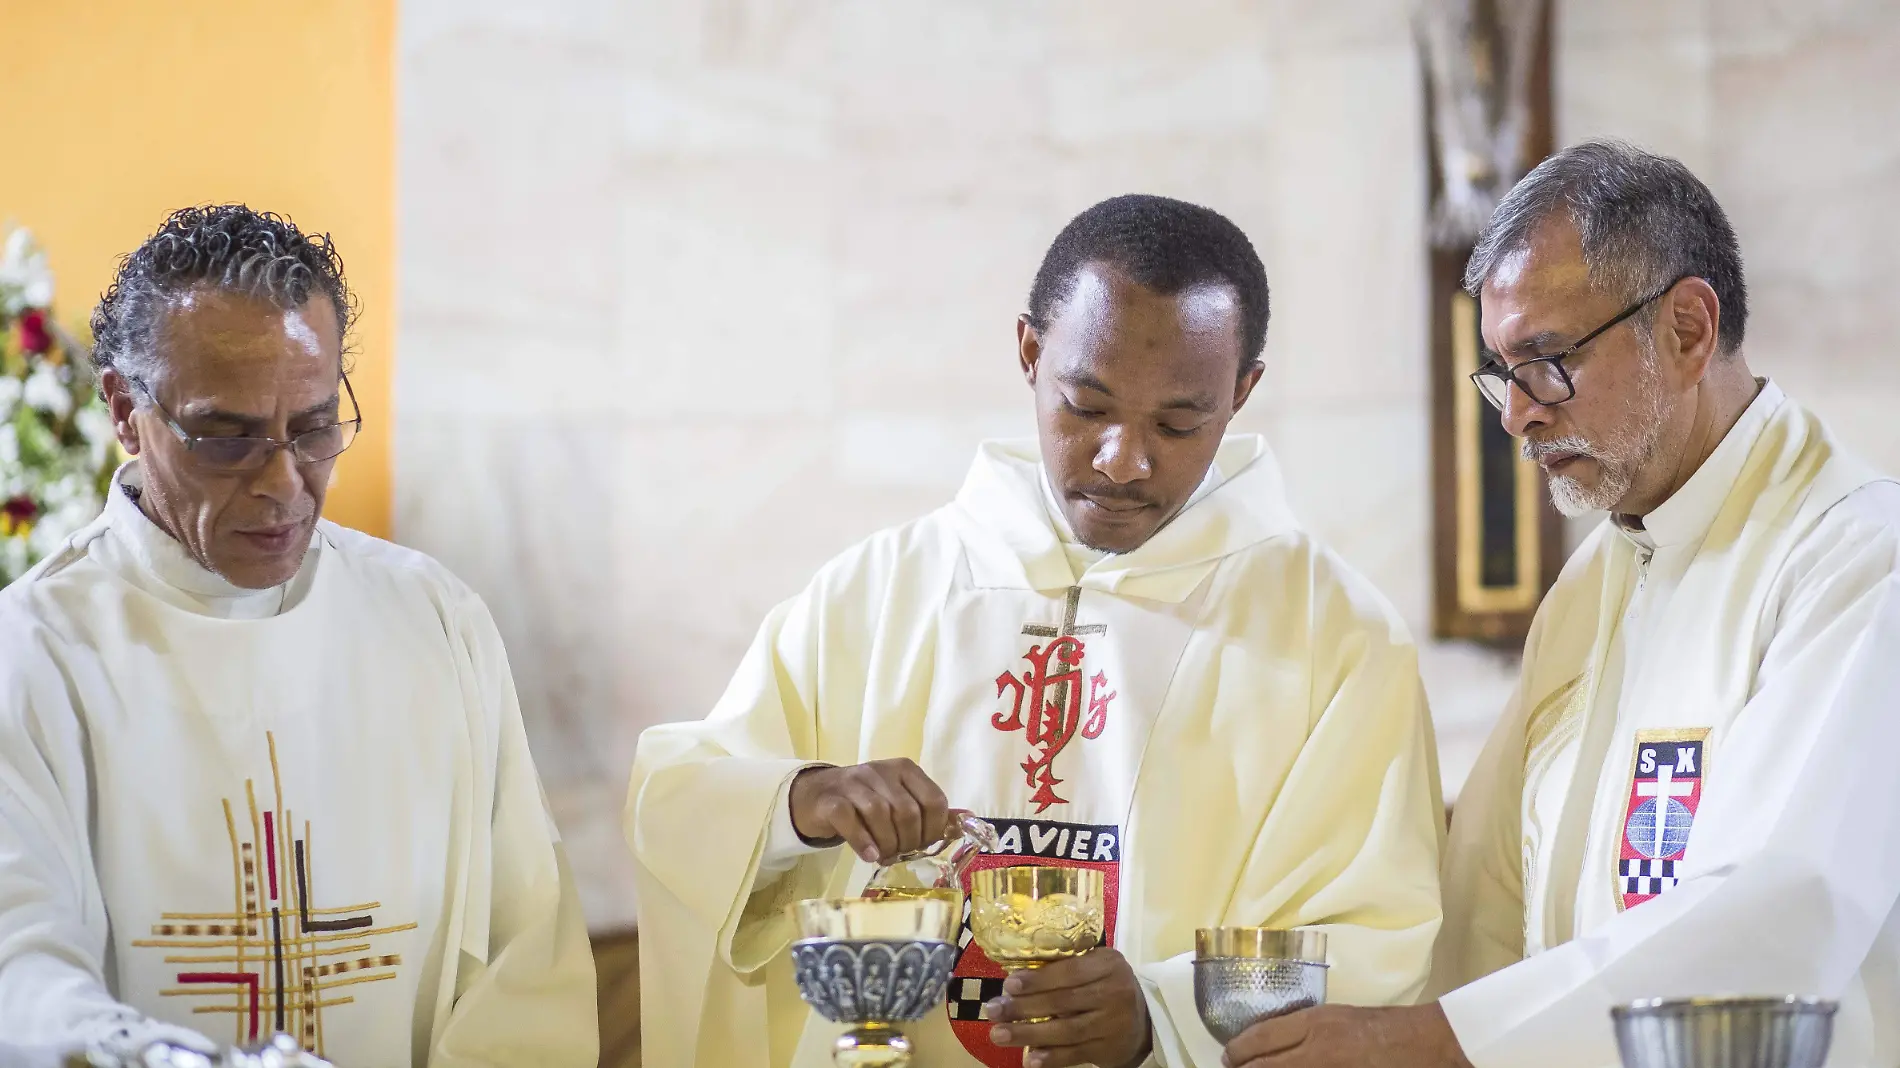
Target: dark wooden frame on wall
1464 604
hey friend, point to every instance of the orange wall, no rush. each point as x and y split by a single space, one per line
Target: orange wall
115 112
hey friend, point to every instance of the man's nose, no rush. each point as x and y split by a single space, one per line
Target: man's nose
279 478
1123 456
1521 412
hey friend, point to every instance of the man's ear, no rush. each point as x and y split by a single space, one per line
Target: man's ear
1250 379
1692 314
1028 348
118 394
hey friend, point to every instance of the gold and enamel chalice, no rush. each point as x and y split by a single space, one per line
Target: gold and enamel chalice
1026 916
874 964
1243 975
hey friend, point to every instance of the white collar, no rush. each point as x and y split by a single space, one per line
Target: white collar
1689 512
140 552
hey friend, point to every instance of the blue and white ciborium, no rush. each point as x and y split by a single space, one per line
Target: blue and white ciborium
872 965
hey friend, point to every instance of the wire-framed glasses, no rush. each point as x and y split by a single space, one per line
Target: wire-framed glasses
250 453
1545 379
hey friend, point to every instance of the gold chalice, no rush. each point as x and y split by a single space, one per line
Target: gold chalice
874 964
1027 916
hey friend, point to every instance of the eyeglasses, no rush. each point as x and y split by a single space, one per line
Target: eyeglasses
1544 378
250 453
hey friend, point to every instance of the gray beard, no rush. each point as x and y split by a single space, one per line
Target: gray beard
1619 457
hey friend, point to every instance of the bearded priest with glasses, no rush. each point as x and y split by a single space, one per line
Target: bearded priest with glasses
1692 792
260 773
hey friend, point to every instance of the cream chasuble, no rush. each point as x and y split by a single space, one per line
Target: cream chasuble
309 809
1242 739
1691 792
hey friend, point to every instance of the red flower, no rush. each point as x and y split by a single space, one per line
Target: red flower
17 514
33 335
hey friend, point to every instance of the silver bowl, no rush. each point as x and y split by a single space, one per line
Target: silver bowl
1243 975
1725 1033
854 982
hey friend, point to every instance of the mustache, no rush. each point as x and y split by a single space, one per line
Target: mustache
1569 443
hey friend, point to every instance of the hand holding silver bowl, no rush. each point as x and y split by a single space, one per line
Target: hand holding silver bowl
1725 1033
1243 975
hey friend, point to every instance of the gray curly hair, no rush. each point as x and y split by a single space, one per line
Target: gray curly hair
225 246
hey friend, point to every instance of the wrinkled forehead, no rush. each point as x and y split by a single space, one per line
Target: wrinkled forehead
225 351
1536 288
208 332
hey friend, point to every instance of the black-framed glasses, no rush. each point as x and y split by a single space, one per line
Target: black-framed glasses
1545 379
250 453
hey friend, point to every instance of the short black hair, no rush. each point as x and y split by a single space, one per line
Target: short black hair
1162 244
1644 221
226 246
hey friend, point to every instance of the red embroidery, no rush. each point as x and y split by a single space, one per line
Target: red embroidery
1052 685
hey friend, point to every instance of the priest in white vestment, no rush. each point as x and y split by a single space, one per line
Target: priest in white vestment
260 773
1692 791
1116 644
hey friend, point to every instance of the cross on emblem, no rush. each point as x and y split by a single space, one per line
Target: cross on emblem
1664 788
1068 628
1053 687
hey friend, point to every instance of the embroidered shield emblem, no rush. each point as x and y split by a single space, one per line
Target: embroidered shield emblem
977 979
1666 777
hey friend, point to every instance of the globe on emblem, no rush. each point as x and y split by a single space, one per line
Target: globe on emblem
1656 842
1243 975
1725 1032
873 964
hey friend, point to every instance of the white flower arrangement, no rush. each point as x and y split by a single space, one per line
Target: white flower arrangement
57 447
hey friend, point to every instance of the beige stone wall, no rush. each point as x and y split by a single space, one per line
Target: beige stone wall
1790 110
696 292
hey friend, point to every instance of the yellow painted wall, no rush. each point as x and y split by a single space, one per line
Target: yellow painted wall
115 112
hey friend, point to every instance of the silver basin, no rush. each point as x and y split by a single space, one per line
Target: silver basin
1725 1033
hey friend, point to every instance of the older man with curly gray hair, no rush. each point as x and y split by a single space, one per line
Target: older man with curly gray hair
261 774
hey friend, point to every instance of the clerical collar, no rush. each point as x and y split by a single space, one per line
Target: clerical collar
1689 512
152 560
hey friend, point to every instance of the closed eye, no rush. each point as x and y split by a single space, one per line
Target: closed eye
1077 410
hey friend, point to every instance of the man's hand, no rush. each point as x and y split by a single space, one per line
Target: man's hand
1095 1011
1341 1036
880 809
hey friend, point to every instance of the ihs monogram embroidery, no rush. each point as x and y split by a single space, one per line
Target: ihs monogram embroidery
275 961
1053 686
